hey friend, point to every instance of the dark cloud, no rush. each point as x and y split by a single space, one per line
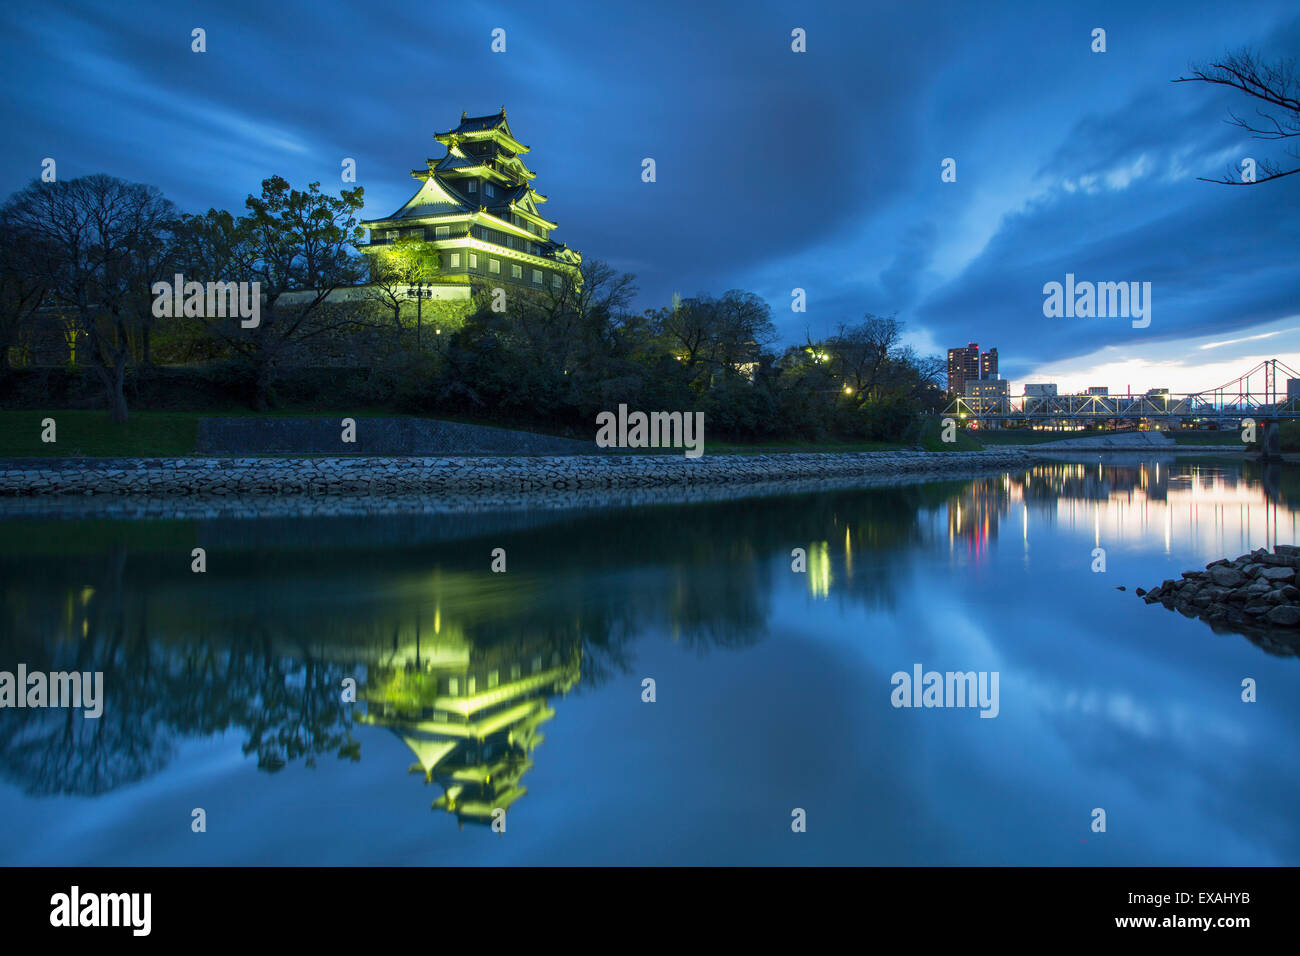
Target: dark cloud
775 169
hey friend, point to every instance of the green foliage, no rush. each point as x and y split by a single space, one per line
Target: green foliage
552 360
1289 433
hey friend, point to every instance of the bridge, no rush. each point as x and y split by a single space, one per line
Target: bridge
1252 395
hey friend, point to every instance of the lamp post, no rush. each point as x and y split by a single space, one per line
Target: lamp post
419 292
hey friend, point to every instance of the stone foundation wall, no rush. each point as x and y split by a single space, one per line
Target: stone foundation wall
385 476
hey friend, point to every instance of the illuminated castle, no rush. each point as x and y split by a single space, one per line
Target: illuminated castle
478 208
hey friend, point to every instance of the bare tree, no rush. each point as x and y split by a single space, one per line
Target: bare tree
1276 87
720 335
744 327
22 290
687 325
859 353
600 296
97 240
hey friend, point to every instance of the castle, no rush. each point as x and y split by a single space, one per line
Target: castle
477 207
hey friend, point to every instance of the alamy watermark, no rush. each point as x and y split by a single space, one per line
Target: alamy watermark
212 300
653 430
75 908
1103 300
948 689
56 689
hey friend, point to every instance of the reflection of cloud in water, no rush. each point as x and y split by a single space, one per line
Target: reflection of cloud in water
1165 721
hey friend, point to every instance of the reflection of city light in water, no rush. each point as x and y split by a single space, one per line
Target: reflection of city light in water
1124 503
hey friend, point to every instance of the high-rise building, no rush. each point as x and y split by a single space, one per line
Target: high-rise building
970 365
989 364
963 367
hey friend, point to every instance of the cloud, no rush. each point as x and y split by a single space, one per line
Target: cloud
776 170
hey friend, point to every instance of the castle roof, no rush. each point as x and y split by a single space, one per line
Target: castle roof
433 199
492 127
474 124
511 208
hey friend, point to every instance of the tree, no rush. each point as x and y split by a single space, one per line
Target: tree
298 246
206 248
22 290
744 326
1276 86
711 335
859 354
97 239
395 268
599 297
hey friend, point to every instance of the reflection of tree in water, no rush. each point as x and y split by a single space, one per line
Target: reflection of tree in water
56 750
155 691
50 751
261 642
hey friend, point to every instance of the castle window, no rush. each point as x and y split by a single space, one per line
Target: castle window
390 233
489 190
473 261
555 280
442 232
537 277
471 186
517 272
494 265
455 260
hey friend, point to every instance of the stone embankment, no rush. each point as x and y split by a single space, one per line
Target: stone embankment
374 476
1255 591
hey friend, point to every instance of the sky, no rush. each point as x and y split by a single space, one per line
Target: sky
775 170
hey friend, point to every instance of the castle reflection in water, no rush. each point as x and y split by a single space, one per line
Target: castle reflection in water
471 716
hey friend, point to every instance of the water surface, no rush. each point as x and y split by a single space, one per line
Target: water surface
523 690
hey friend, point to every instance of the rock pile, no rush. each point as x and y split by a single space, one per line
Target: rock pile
1257 591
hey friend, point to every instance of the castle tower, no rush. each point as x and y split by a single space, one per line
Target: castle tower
477 206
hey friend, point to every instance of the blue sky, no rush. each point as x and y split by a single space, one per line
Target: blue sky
775 170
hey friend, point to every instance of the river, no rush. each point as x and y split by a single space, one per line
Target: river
772 736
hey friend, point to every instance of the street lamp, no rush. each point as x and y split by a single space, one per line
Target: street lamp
419 292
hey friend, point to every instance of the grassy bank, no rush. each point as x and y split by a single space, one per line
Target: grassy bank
149 434
997 437
90 434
